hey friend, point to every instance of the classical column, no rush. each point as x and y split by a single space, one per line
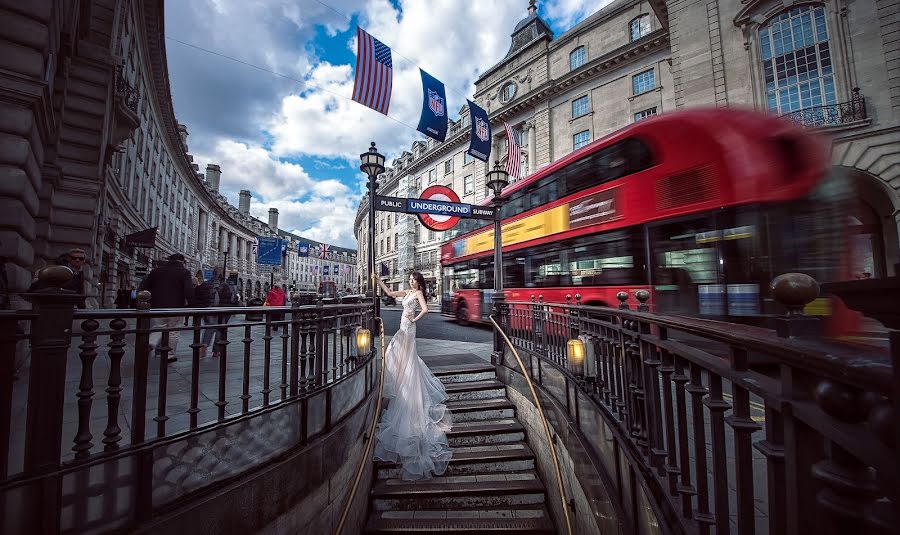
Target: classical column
532 148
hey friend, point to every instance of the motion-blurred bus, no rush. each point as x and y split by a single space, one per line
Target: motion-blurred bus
703 208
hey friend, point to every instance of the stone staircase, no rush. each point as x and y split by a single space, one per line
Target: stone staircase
490 485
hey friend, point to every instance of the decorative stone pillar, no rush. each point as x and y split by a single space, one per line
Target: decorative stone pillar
532 148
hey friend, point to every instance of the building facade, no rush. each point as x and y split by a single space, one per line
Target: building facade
92 153
821 64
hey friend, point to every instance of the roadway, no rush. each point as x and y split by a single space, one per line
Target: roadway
437 327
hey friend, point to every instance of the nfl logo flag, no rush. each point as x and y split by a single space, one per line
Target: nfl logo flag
372 85
433 121
303 249
435 103
482 129
480 137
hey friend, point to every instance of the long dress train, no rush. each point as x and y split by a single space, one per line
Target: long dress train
413 428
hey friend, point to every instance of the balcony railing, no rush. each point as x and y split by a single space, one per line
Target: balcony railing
832 115
126 91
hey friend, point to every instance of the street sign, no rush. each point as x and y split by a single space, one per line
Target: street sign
269 251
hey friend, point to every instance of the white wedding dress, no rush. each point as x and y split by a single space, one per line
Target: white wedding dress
413 428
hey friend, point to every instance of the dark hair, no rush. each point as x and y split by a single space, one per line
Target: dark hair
420 280
177 257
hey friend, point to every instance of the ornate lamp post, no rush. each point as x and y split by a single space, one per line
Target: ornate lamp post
497 179
372 165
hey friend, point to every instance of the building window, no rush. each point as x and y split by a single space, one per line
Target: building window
639 27
644 114
580 107
448 167
467 158
508 92
643 81
468 185
577 58
432 176
418 184
797 60
581 139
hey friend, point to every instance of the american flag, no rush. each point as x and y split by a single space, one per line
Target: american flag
513 152
324 251
372 86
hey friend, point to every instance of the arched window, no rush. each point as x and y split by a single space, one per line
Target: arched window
577 58
639 27
796 59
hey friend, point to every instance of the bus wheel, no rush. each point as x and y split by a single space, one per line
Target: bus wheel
462 315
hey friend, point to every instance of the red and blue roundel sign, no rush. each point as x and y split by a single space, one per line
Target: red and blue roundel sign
438 199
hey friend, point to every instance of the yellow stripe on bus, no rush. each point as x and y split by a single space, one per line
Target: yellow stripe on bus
528 228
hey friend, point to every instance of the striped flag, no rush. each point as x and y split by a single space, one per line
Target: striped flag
372 86
513 152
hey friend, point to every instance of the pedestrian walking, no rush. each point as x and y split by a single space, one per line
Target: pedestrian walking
226 297
205 296
170 287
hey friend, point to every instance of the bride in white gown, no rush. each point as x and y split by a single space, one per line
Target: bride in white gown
413 428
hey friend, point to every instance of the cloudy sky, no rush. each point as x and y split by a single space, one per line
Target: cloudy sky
293 138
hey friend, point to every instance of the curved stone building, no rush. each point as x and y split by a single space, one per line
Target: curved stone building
93 157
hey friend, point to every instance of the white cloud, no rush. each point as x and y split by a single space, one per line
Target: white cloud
253 168
235 112
452 41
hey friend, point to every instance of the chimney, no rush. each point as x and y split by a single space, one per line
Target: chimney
244 204
273 218
213 173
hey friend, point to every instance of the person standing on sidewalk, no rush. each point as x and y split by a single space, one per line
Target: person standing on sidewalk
170 287
205 296
226 297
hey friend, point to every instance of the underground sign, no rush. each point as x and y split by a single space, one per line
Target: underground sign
439 208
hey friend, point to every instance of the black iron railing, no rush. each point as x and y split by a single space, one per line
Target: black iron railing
731 428
832 115
113 431
126 91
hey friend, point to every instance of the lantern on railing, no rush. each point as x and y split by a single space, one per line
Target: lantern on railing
363 341
575 356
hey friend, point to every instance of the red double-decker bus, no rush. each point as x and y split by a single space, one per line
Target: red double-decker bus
703 208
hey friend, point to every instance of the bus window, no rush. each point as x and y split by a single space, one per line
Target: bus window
686 265
610 259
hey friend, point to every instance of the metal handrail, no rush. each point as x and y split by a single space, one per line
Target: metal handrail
365 460
537 402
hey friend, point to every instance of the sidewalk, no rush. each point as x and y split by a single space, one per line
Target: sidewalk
428 347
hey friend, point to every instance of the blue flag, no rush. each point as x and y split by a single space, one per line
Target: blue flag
433 122
480 139
302 249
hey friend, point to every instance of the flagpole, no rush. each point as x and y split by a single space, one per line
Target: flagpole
372 165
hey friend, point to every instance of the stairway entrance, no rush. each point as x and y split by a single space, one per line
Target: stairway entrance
490 485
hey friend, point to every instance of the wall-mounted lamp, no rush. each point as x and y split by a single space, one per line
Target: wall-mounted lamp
575 355
363 341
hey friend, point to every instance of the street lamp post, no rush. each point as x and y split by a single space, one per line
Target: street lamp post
497 179
372 165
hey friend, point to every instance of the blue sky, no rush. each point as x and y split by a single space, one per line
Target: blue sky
295 145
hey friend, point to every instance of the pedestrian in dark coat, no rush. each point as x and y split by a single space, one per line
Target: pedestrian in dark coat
170 287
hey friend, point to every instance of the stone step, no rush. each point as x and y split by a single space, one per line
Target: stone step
485 432
519 520
495 491
469 460
472 390
465 373
481 409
